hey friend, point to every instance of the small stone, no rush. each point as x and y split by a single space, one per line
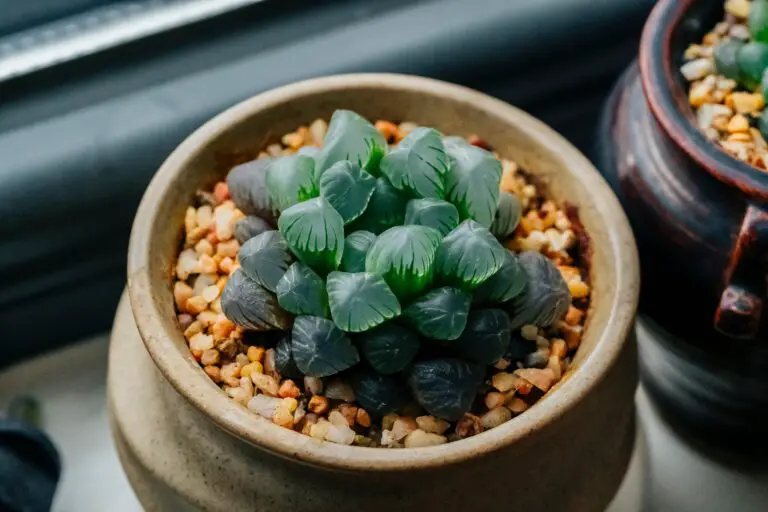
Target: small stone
288 389
222 328
264 405
403 426
185 320
266 383
495 417
182 292
274 150
210 357
193 328
504 381
700 93
555 364
421 439
388 421
432 425
207 265
318 404
293 140
697 69
740 137
349 412
228 249
204 247
739 8
387 129
529 332
559 348
745 102
190 219
541 378
230 374
269 362
469 425
251 368
313 385
494 400
210 294
517 405
255 353
200 343
317 131
204 217
502 364
405 128
187 264
738 124
227 265
362 418
214 372
340 434
224 220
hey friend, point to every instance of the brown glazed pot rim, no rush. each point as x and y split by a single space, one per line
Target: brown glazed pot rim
669 104
619 306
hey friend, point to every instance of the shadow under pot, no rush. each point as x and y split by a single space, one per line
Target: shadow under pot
701 222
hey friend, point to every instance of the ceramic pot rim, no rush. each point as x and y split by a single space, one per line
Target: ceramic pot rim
667 101
190 381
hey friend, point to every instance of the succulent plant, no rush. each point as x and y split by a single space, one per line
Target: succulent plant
388 265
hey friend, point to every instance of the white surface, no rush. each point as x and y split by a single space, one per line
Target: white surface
70 385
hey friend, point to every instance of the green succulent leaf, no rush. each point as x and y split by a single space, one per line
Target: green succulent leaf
507 215
506 284
404 256
360 301
468 256
385 209
351 137
291 180
758 21
418 165
432 213
546 298
302 292
348 188
473 182
378 394
727 60
486 337
356 247
388 348
753 60
447 387
441 314
265 258
319 348
315 232
251 306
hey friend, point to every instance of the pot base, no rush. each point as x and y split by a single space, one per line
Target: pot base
177 459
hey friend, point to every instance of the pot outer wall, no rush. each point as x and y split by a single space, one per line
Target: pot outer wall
178 459
686 223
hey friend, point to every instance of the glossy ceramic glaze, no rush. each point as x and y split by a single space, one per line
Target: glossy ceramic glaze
184 443
699 218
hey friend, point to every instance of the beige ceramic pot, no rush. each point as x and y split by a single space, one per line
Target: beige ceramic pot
186 446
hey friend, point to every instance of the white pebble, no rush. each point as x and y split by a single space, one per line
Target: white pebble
187 264
421 439
340 434
697 69
313 385
495 417
264 405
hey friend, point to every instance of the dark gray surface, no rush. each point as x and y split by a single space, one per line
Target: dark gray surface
79 143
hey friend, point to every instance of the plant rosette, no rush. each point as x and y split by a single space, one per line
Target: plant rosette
375 270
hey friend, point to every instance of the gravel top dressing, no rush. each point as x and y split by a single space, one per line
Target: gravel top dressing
728 82
382 285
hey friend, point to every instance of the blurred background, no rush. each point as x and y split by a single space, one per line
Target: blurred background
94 94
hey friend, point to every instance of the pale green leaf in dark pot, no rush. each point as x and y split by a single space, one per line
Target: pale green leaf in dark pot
472 184
265 258
433 213
506 284
356 247
404 255
251 306
351 137
302 292
385 209
348 188
315 232
418 165
440 314
319 348
291 180
507 215
388 348
360 301
468 256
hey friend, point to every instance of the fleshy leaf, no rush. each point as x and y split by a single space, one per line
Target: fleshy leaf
291 180
433 213
468 256
319 348
249 305
265 258
404 256
385 209
388 348
351 137
302 292
546 298
378 394
315 232
472 184
250 226
360 301
356 247
441 314
284 363
247 185
507 215
348 188
418 165
506 284
486 337
445 388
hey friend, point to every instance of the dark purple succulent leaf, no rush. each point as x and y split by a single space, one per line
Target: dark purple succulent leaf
250 226
320 349
248 188
251 306
545 299
379 394
486 338
446 388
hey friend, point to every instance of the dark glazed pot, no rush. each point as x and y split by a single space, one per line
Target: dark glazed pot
701 222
